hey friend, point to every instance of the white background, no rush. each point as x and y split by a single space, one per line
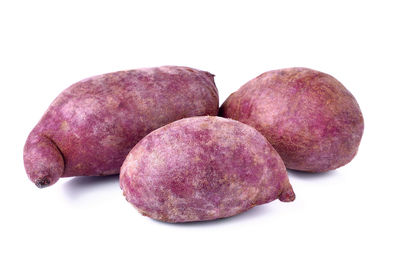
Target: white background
344 224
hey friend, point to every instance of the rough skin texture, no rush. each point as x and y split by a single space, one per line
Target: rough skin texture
311 119
203 168
92 125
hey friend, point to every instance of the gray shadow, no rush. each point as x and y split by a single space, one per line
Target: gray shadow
257 212
78 186
311 175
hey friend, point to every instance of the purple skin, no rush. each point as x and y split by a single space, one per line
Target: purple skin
311 119
92 125
203 168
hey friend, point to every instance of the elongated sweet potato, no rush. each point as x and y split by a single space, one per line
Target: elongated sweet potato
310 118
203 168
92 125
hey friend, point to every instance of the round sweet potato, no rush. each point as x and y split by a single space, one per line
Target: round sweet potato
92 125
203 168
311 119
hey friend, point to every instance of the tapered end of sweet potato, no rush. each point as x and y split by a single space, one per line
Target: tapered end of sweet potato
43 161
43 182
287 193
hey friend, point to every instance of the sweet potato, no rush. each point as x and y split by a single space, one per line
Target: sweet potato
203 168
92 125
311 119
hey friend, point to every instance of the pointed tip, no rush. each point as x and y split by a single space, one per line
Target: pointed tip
43 182
287 194
211 75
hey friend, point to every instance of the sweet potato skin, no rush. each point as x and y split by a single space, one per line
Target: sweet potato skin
94 123
203 168
310 118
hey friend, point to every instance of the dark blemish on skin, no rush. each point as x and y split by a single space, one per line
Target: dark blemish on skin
42 182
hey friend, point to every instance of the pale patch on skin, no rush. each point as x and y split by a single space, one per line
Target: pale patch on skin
203 168
64 125
309 117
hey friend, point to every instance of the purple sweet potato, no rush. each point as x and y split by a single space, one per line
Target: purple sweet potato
92 125
203 168
309 117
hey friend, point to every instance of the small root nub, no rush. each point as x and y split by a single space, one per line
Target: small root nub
42 182
287 194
